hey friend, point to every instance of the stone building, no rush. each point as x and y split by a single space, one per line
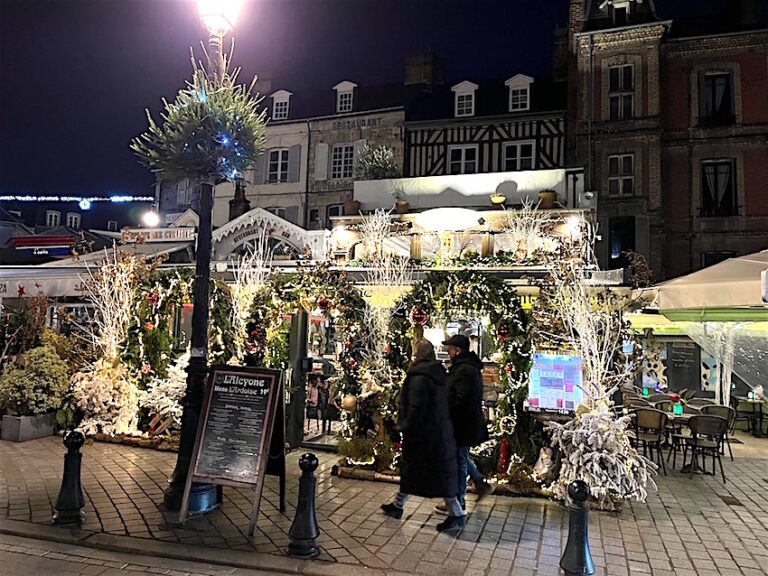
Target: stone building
670 119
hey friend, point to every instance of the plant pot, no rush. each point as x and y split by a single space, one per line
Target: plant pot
547 198
351 208
23 428
402 206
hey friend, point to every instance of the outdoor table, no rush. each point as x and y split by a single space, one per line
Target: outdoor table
757 410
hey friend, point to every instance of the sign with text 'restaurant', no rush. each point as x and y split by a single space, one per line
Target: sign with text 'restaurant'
236 423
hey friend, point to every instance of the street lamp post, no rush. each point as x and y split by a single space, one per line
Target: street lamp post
218 16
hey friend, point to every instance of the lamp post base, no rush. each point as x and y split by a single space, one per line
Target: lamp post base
202 498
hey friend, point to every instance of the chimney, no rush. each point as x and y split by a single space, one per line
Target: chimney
425 68
746 13
576 18
239 205
264 84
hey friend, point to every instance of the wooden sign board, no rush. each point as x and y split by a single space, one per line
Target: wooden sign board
235 436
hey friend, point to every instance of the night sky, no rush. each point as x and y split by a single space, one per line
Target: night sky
76 75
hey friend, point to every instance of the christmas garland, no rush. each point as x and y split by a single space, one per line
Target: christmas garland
441 296
150 346
320 289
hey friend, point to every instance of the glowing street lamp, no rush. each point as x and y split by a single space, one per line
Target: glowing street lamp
219 17
150 219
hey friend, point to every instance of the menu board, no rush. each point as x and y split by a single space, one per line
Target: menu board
683 365
235 431
555 383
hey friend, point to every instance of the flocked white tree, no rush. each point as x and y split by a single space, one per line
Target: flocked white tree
250 275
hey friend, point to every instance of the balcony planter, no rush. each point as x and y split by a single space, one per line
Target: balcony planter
402 206
351 208
547 199
23 428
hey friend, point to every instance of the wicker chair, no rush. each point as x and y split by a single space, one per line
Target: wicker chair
700 402
650 431
747 416
707 435
678 436
724 412
653 398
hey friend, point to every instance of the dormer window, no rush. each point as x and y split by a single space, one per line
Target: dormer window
345 92
464 99
280 103
618 11
519 92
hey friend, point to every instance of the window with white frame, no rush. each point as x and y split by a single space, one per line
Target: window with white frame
519 156
52 218
344 101
73 220
462 159
342 161
183 192
465 104
621 91
112 225
280 110
621 175
334 210
277 171
519 99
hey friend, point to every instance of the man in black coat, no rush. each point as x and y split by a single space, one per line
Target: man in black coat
465 402
428 463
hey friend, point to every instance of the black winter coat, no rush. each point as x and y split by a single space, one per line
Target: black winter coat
465 400
428 466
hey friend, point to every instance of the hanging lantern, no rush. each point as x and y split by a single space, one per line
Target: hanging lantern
419 316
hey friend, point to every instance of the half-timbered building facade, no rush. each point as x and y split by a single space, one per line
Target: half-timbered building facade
467 128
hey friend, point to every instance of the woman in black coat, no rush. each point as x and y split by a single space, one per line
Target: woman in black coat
428 463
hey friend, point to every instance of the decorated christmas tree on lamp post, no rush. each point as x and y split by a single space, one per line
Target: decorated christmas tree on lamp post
210 133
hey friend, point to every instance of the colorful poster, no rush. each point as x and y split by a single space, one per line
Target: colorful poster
555 383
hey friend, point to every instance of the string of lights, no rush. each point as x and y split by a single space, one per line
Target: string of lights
84 202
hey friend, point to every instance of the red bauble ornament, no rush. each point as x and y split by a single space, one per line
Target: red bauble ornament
153 297
503 331
323 303
419 316
148 325
503 457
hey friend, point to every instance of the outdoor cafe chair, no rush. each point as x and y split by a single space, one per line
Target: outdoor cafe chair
678 436
650 430
700 401
707 435
688 394
747 416
682 392
724 412
653 398
663 405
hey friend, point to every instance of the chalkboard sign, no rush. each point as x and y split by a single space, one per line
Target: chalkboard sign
234 438
683 366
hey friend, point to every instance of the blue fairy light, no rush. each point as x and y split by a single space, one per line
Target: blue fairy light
85 204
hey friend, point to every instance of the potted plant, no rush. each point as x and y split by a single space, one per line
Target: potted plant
547 198
351 207
401 204
33 393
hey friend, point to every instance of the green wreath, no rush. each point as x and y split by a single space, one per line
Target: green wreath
441 295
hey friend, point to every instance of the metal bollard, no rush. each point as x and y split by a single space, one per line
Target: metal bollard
70 502
577 560
304 527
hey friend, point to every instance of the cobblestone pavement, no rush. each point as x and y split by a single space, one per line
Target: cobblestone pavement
689 527
26 557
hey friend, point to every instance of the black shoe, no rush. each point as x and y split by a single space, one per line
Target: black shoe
483 489
392 511
452 524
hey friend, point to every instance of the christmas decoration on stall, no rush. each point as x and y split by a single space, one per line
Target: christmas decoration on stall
443 296
215 126
150 344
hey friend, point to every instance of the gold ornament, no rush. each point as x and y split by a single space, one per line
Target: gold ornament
349 402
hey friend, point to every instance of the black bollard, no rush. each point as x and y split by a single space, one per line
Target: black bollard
577 560
69 504
304 527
